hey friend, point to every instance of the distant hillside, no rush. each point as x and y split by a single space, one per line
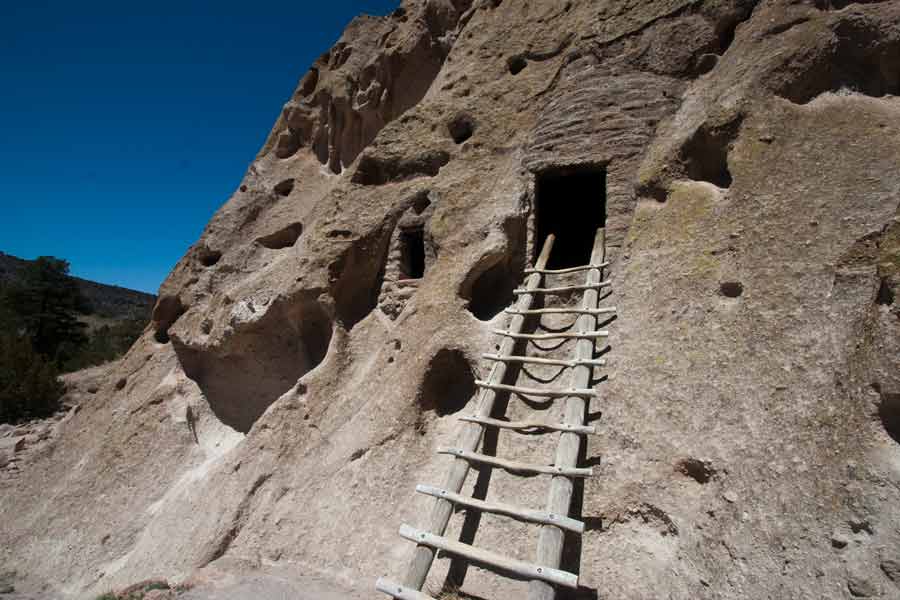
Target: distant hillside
107 301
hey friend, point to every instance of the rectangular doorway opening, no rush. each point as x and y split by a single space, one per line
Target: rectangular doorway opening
571 203
412 253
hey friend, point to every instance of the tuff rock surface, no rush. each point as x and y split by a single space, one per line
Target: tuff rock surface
295 381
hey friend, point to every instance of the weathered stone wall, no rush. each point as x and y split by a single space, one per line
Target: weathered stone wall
748 421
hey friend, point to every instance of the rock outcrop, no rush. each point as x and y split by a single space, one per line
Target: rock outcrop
314 347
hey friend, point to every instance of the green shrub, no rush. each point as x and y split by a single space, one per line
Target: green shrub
29 387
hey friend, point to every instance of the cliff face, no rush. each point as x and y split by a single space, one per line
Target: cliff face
750 434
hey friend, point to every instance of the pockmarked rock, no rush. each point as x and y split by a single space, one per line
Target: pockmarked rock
323 335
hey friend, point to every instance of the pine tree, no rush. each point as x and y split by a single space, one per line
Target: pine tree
45 302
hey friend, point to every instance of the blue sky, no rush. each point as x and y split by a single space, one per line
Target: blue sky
125 125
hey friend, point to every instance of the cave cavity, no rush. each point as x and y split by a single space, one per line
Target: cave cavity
699 470
287 143
461 127
377 170
449 383
885 295
516 64
489 285
358 273
570 202
731 289
260 361
862 60
208 257
168 309
492 291
412 253
285 237
889 413
705 154
284 188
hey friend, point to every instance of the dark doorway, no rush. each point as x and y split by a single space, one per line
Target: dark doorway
412 251
571 202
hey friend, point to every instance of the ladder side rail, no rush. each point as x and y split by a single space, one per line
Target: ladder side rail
559 501
423 556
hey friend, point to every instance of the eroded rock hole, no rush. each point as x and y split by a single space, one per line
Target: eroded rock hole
260 361
284 188
863 61
489 286
889 412
885 295
571 203
309 82
208 257
421 202
357 276
461 128
374 170
705 155
449 383
167 310
283 238
412 253
492 291
731 289
725 32
700 471
287 144
516 64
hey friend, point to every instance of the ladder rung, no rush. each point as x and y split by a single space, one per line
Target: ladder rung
528 391
543 361
569 270
564 288
401 592
501 508
602 333
512 465
486 557
519 425
561 311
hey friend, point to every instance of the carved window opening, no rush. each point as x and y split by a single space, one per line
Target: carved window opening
412 253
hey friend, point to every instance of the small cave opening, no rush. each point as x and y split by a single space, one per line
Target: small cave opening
357 276
731 289
490 284
516 64
885 295
862 62
284 188
377 170
285 237
889 413
570 202
412 253
287 143
420 202
260 361
449 383
207 257
491 291
705 155
461 128
700 471
168 309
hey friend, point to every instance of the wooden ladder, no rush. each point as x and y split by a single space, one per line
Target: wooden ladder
544 574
